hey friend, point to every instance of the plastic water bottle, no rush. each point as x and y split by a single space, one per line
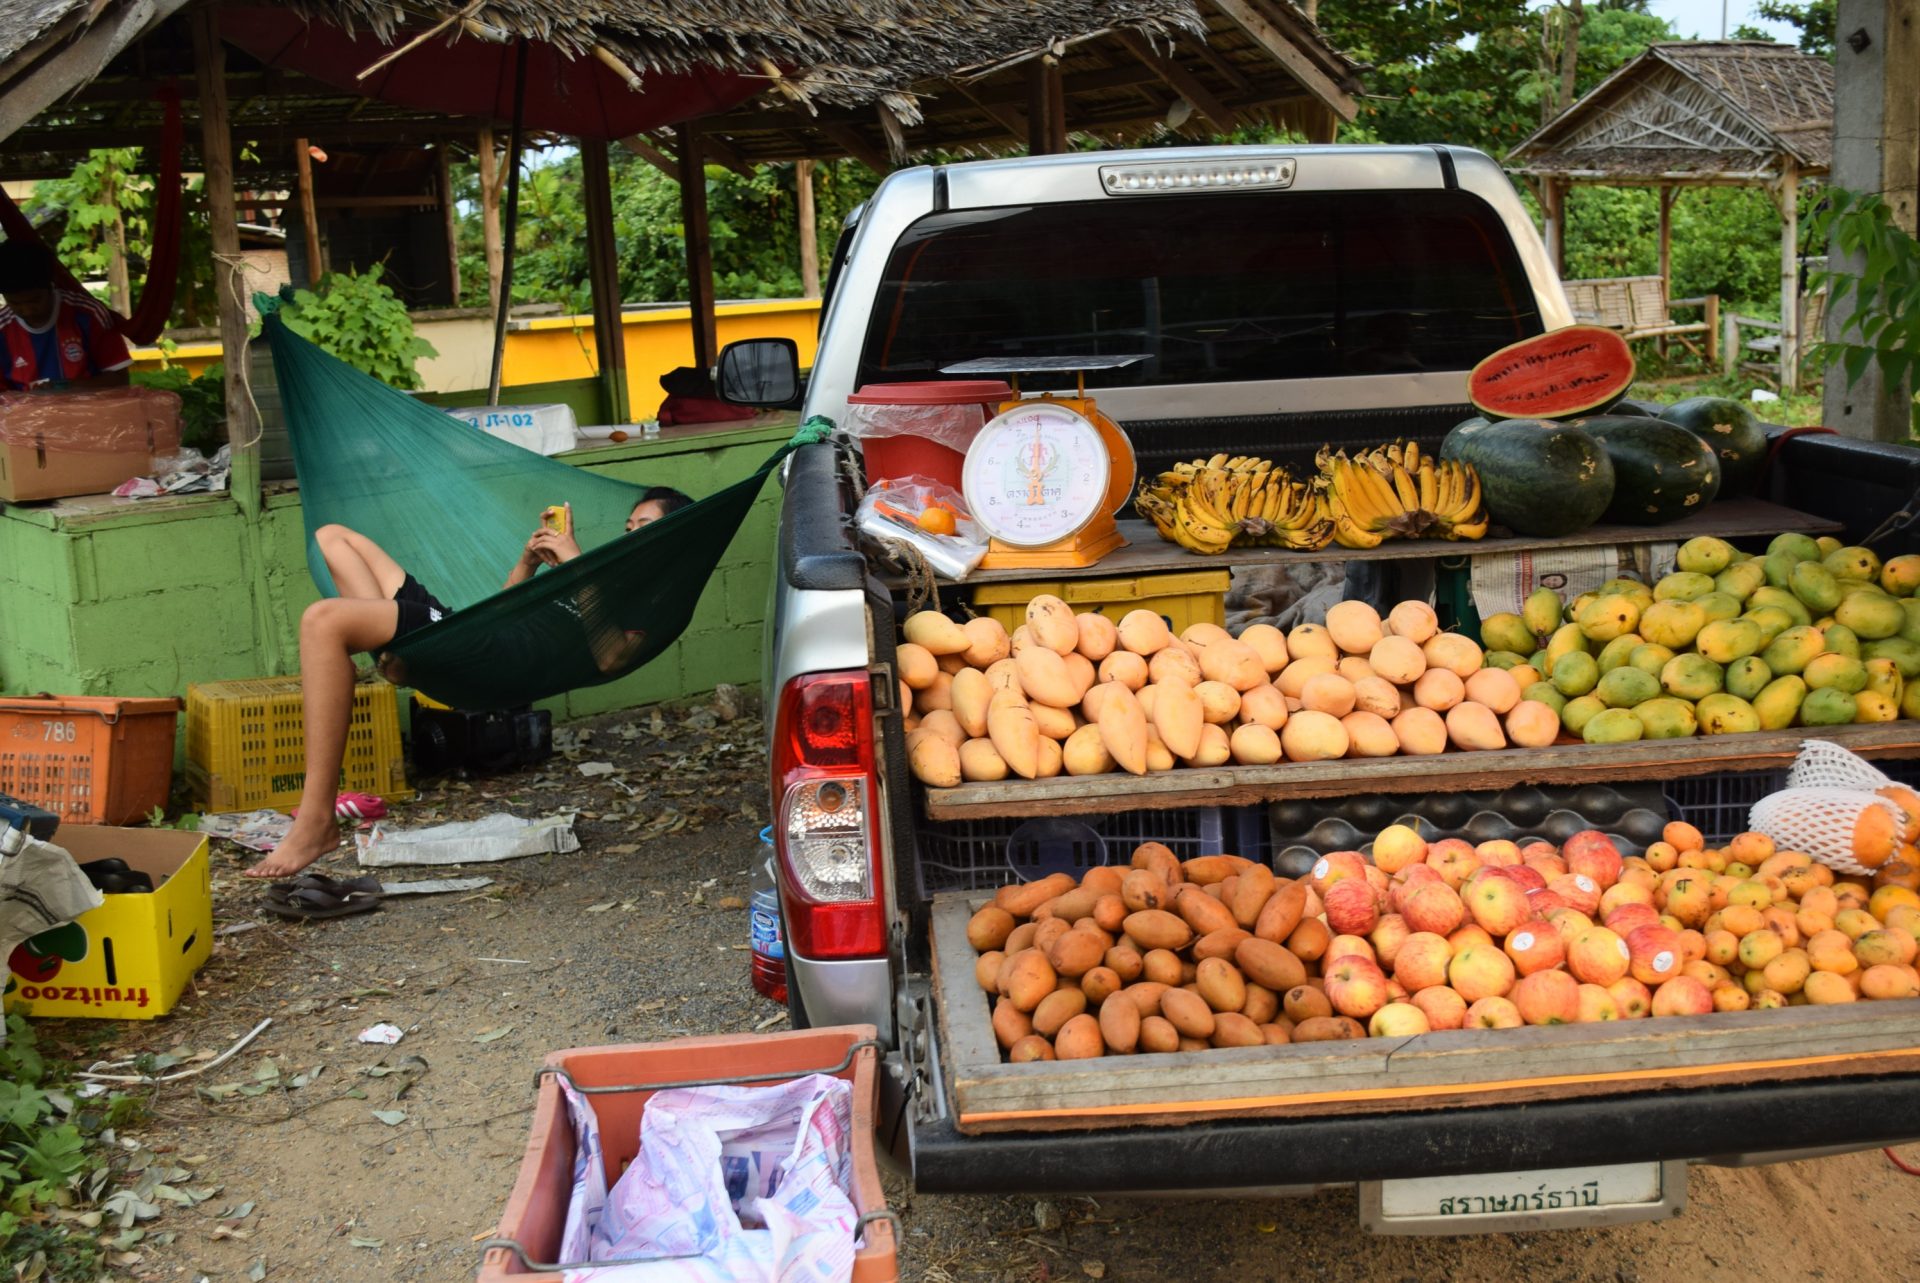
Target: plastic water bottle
763 908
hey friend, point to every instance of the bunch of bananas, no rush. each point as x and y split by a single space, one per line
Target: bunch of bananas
1210 505
1396 492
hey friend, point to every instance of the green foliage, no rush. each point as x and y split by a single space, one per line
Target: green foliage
48 1148
354 316
1726 241
1815 20
1802 409
203 404
1883 322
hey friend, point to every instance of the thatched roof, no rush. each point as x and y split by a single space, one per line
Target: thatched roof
1703 111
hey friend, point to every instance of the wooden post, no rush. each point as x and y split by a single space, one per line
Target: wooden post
809 229
510 241
693 217
119 289
1666 249
490 214
1713 330
1553 210
443 154
216 158
310 222
603 277
1039 112
1056 106
1789 198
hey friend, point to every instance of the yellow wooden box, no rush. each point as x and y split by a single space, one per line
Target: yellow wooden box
247 744
130 958
1181 597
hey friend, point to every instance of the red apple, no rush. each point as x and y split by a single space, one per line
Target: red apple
1347 946
1632 998
1480 971
1596 1005
1548 998
1422 961
1498 905
1593 853
1453 860
1398 1020
1350 907
1545 903
1398 847
1527 876
1628 916
1624 893
1445 1009
1549 864
1578 890
1336 866
1598 956
1656 955
1435 907
1536 946
1568 923
1682 996
1356 987
1387 937
1471 933
1498 853
1493 1013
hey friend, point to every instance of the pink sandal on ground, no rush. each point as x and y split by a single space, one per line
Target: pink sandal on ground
354 806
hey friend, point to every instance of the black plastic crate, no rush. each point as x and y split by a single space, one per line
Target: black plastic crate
1718 805
975 855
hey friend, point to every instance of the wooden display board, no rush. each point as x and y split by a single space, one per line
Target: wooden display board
1449 772
1454 1069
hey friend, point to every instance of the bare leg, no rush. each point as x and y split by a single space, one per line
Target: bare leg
331 632
360 567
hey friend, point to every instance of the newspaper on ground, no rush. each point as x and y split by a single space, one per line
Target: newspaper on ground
255 830
495 837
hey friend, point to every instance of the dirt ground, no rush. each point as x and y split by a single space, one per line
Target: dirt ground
642 935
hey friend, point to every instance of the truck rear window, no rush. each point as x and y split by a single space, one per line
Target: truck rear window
1282 285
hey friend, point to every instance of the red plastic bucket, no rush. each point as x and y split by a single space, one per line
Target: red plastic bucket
917 456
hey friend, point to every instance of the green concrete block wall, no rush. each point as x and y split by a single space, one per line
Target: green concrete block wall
104 598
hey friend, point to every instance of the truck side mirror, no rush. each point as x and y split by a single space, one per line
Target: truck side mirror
759 372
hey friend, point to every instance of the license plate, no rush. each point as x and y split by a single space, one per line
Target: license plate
1549 1198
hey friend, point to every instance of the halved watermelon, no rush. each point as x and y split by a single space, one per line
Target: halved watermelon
1561 374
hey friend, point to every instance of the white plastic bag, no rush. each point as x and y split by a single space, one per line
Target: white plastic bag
1824 764
890 510
953 426
1825 823
737 1184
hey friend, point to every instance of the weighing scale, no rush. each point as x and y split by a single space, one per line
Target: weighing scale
1045 477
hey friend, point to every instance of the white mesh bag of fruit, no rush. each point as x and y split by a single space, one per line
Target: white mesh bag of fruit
1824 764
1852 830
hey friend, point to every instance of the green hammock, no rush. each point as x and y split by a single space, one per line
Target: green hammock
454 507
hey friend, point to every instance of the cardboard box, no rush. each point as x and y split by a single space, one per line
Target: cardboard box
130 958
57 444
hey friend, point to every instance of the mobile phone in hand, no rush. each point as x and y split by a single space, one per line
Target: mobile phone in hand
558 518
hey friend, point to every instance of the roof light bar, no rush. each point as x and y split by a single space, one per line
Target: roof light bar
1154 179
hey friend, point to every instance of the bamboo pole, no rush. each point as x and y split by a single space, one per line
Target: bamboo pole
216 157
1666 249
693 217
809 229
1789 199
490 214
309 219
603 278
505 303
451 216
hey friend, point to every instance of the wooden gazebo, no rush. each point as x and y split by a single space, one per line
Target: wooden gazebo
1705 114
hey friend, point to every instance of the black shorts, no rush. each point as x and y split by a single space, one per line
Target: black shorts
418 608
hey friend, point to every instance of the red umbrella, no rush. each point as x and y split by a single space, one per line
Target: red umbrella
463 75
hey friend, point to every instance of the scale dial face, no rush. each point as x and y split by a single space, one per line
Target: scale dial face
1036 474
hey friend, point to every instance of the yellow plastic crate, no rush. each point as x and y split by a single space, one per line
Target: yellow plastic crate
247 742
1181 597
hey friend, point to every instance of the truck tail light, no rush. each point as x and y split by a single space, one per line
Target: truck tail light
825 829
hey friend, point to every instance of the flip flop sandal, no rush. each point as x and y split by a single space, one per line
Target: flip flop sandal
354 806
333 886
313 905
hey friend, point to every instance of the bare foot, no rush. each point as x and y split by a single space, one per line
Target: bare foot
296 853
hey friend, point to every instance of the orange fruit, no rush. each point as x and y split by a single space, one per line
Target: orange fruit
936 521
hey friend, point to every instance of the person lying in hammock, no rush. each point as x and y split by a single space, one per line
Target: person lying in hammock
378 604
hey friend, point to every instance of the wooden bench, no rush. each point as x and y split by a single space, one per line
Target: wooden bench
1758 353
1638 307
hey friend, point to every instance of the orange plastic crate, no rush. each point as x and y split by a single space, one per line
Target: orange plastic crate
88 759
537 1209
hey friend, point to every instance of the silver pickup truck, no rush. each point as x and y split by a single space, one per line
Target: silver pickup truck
1286 298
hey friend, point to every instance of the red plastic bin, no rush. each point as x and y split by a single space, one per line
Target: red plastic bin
910 456
88 759
537 1209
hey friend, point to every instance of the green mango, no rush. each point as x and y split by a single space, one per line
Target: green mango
1578 712
1794 649
1541 611
1575 673
1618 652
1666 718
1872 616
1720 605
1772 620
1539 660
1838 672
1627 588
1650 657
1815 586
1579 604
1779 569
1853 563
1829 706
1910 627
1705 555
1741 578
1502 659
1796 546
1842 640
1611 616
1828 545
1692 677
1506 631
1904 654
1626 686
1780 599
1779 703
1612 726
1726 715
1726 640
1910 701
1748 677
1565 641
1545 693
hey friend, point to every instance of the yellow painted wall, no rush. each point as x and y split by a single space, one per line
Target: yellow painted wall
551 348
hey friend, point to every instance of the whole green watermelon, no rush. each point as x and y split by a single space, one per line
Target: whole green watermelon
1539 477
1733 432
1661 471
